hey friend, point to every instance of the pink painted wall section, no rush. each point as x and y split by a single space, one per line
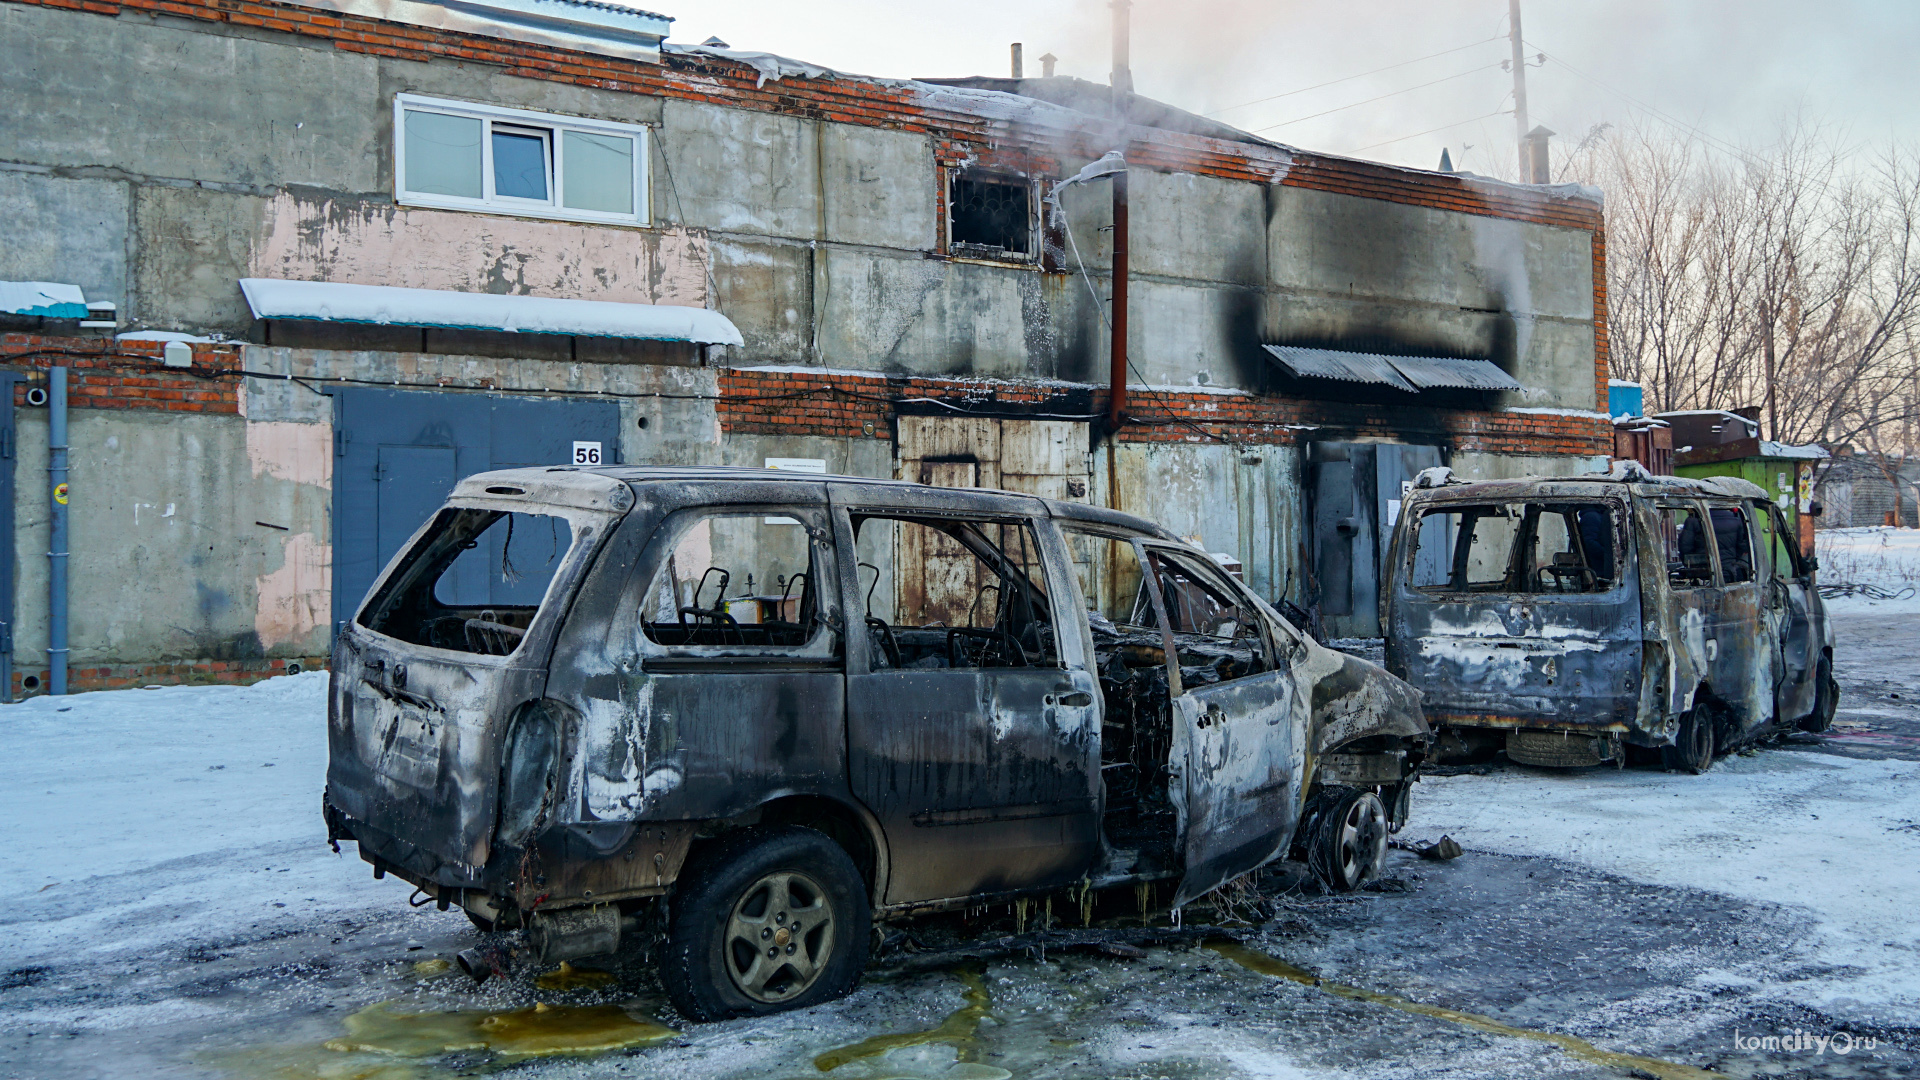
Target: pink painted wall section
364 243
295 600
299 453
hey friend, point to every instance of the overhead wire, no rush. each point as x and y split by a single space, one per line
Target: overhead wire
1429 131
1371 100
1362 75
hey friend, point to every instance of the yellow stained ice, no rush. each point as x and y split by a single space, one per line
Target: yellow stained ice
541 1031
958 1031
568 977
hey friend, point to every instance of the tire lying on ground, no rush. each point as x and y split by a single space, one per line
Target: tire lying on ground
765 920
1344 834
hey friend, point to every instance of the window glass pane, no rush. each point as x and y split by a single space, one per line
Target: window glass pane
1736 545
519 164
597 172
443 154
734 580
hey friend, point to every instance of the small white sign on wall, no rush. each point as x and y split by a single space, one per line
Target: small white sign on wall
586 453
794 464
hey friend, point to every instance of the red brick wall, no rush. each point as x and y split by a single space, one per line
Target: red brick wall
168 673
842 406
107 375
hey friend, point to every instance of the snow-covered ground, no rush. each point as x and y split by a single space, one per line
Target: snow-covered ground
1834 840
1885 558
169 907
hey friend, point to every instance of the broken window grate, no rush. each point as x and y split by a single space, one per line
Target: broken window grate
991 218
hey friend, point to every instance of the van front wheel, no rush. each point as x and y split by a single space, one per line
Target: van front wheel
765 920
1346 838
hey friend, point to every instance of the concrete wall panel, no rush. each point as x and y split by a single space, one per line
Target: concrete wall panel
739 171
310 238
904 314
157 100
880 188
1196 227
59 229
767 290
191 250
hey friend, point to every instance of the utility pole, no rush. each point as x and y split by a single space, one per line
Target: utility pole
1519 90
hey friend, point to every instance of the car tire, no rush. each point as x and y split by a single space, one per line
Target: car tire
1693 744
1826 700
1346 838
743 896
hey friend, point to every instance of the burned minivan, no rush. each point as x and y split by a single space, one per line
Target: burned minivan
1578 620
739 715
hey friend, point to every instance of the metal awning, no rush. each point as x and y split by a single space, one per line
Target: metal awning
1344 366
1409 373
384 305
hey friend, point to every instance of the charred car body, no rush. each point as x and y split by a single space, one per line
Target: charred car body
1573 619
744 713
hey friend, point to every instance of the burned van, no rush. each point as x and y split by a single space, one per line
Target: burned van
1578 620
740 715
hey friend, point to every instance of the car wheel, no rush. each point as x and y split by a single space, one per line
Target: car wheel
1347 843
765 920
1692 749
1826 699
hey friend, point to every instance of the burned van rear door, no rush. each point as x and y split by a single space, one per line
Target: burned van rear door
1791 590
1238 754
1518 611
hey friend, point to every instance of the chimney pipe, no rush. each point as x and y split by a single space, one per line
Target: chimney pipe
1122 69
1016 62
1047 60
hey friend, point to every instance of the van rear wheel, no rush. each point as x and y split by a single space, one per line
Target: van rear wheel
765 920
1692 749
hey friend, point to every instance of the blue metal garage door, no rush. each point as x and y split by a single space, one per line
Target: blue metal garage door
398 452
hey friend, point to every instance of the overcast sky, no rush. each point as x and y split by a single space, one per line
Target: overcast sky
1735 69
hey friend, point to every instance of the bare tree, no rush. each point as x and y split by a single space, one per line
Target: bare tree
1788 278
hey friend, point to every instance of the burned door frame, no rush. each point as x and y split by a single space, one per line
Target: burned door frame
1746 627
1354 491
1042 829
1798 695
1234 815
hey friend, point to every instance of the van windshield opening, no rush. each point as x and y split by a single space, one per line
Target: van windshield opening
473 582
1517 547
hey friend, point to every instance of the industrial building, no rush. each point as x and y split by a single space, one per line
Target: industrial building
308 262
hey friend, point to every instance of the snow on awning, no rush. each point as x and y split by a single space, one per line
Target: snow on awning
384 305
47 299
1409 373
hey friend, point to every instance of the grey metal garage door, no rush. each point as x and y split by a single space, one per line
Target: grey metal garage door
398 452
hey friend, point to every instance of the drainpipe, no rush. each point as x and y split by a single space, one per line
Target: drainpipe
1117 350
57 549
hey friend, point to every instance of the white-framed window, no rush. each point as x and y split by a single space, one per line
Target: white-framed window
457 155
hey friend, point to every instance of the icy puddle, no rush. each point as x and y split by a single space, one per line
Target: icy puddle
541 1031
1631 1064
960 1030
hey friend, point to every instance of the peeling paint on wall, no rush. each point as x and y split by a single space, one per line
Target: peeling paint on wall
368 243
295 599
299 453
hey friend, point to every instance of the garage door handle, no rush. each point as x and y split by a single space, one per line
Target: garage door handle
1079 699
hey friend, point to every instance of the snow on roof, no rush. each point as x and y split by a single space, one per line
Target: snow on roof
1782 450
383 305
47 299
586 25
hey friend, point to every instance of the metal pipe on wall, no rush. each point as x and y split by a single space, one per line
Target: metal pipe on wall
57 545
1117 350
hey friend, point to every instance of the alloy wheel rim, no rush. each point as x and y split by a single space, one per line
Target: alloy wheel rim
778 937
1363 839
